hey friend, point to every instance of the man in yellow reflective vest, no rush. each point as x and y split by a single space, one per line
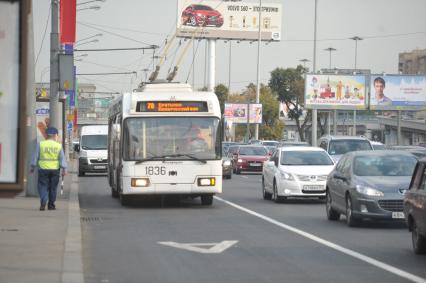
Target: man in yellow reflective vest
49 158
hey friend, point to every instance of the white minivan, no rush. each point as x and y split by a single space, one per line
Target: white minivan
92 149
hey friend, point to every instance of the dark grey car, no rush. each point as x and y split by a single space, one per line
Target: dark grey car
415 208
369 184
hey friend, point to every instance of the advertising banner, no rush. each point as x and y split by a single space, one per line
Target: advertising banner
397 92
228 20
237 113
335 92
68 21
42 120
9 90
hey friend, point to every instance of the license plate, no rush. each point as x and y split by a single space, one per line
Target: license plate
313 188
99 167
398 215
255 164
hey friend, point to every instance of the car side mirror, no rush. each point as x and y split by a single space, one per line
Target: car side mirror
339 176
77 148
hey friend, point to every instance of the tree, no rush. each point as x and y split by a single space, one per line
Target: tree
288 84
222 93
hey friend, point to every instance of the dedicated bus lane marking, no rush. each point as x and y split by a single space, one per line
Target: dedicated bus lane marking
336 247
203 248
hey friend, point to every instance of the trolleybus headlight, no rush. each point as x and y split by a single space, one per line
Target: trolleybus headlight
211 181
140 182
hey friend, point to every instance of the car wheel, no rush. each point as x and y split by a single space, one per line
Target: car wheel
229 176
80 173
206 199
351 221
419 241
265 194
275 196
331 213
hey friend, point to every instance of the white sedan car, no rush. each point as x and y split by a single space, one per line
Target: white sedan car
296 172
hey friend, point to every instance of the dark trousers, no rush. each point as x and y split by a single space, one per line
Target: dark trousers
47 184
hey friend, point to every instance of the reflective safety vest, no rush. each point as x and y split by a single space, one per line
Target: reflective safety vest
49 155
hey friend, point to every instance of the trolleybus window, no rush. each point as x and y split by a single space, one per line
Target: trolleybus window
171 138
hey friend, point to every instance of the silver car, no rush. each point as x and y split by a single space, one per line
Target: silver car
369 184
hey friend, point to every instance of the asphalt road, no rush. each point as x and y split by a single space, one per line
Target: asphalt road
261 241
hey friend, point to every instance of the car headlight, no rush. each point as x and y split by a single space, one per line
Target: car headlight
227 163
240 160
287 176
368 191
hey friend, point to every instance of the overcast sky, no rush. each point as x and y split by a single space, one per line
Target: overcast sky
388 27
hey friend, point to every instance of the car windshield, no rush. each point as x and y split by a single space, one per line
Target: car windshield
386 165
379 146
339 147
171 138
305 158
253 151
270 143
202 8
94 142
295 144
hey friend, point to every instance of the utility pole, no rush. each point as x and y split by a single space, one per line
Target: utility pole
314 65
331 49
258 65
355 38
54 119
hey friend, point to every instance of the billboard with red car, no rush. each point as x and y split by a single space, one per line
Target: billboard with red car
229 20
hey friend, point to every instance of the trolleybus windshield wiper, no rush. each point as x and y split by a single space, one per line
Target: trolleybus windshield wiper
164 157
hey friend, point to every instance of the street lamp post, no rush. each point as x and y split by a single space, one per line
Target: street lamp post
91 1
258 64
314 111
90 8
331 49
304 61
356 39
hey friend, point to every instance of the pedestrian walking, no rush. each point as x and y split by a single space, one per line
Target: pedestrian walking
49 158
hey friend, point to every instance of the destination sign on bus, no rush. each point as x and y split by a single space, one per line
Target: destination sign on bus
171 106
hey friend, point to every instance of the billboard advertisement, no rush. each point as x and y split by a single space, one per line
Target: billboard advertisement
335 92
397 92
42 120
9 91
237 113
228 20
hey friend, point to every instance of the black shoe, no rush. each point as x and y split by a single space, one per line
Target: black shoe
42 207
51 207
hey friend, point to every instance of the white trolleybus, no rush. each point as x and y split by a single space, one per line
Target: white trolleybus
165 139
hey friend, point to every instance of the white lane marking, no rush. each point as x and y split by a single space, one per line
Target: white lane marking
203 248
246 177
336 247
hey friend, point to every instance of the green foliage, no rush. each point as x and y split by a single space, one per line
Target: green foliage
222 93
288 84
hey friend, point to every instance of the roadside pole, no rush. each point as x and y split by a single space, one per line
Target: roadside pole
398 129
314 111
54 120
256 133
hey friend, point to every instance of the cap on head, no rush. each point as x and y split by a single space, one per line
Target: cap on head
52 131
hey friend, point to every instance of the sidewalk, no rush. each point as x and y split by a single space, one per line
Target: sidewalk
41 246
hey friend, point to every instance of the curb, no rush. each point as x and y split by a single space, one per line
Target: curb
72 271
